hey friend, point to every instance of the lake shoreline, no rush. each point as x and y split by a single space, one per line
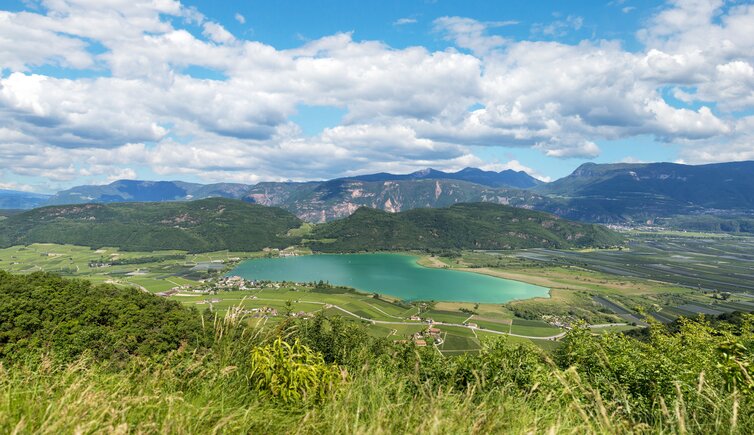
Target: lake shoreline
435 263
398 275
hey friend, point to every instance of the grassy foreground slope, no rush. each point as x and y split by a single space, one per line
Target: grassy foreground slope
327 375
197 226
461 226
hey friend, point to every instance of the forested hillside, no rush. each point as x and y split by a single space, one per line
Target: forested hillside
461 226
197 226
218 224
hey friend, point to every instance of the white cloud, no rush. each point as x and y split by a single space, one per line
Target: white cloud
27 40
514 165
404 21
217 33
240 18
17 186
584 149
471 34
559 28
405 108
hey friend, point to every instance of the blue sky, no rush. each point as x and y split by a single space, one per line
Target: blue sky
286 23
249 91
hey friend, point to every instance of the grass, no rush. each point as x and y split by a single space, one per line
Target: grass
83 398
474 382
572 277
503 326
533 328
197 395
446 316
73 261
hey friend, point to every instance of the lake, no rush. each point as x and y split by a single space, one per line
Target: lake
396 275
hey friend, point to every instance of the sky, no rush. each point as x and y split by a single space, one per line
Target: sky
92 91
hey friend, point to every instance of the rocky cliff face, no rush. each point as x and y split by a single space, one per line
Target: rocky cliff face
340 198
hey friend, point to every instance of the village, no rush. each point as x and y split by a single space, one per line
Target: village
430 335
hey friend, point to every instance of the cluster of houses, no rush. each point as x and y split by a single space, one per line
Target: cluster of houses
225 283
422 338
234 283
418 318
97 264
261 312
287 252
560 322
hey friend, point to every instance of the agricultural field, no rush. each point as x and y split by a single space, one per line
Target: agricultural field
384 318
713 263
153 271
707 274
616 289
161 271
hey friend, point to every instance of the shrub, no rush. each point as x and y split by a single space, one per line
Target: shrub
293 373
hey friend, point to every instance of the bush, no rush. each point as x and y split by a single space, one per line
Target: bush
42 312
292 373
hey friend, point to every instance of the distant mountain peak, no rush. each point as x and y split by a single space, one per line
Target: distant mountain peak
470 170
507 178
584 169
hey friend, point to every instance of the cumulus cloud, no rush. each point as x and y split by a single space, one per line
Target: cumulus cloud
17 186
559 28
404 21
471 34
217 33
143 104
514 165
31 40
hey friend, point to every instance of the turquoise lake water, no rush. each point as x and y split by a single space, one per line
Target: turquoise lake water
390 274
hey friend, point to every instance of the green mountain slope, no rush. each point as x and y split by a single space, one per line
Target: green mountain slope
461 226
638 192
203 225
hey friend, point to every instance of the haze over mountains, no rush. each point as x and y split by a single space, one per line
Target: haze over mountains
14 199
603 193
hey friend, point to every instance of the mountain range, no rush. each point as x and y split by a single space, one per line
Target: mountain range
146 191
506 178
626 192
634 193
15 199
219 223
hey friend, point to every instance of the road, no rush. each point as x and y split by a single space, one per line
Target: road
388 322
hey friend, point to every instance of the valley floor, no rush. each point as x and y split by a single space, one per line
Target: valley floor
610 287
